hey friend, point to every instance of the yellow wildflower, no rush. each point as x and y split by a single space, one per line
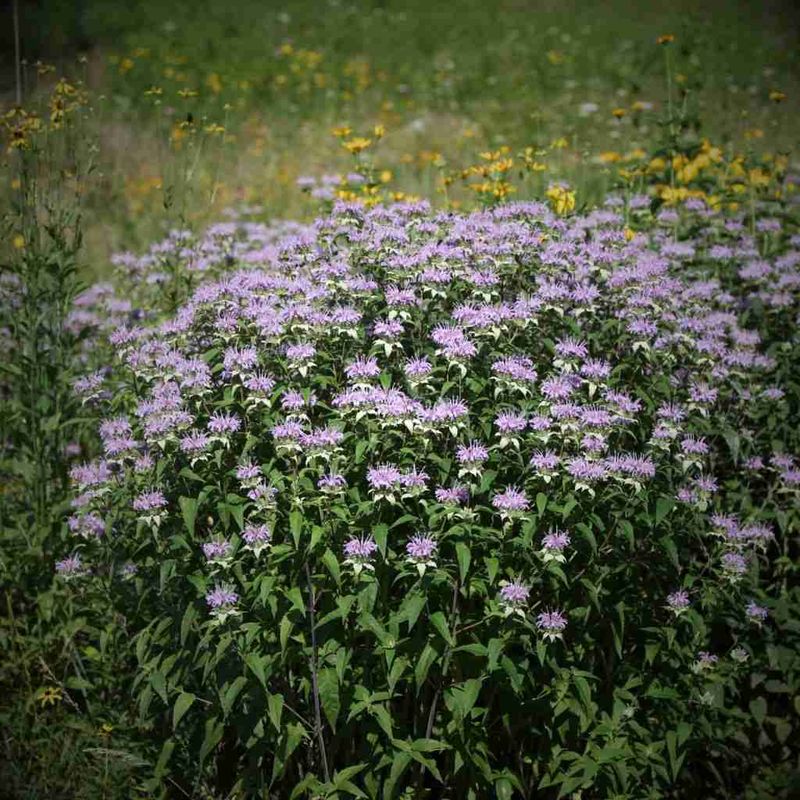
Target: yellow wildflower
214 82
357 144
50 695
562 199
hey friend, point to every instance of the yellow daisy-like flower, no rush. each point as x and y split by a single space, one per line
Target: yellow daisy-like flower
357 144
777 96
50 695
666 38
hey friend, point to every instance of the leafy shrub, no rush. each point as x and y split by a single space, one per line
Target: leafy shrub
485 505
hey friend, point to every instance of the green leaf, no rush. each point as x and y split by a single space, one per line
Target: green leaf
586 533
503 789
460 699
296 526
182 705
429 745
400 762
411 608
423 664
293 735
295 597
487 480
159 683
439 622
584 692
464 557
360 449
663 506
253 661
213 733
332 565
383 718
626 529
675 760
189 617
758 708
189 512
328 683
231 693
380 533
541 503
163 758
275 709
285 629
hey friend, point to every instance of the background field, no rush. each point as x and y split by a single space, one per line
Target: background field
446 80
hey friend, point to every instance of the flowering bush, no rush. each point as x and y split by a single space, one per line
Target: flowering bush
484 505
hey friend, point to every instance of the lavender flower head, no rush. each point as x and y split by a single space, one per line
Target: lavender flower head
359 551
734 565
217 551
510 503
223 423
70 567
553 545
257 538
151 505
678 601
471 457
755 612
551 624
421 551
332 483
514 598
222 601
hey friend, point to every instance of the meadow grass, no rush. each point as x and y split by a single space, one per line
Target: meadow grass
447 81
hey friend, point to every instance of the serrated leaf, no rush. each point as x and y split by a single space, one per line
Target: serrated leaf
275 709
464 557
439 622
182 705
328 683
460 699
381 533
427 657
254 662
188 512
400 762
213 733
296 526
159 683
231 692
332 565
411 609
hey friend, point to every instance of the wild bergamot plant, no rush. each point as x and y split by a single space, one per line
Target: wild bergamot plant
486 505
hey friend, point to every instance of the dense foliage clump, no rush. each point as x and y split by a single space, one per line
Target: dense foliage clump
500 504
